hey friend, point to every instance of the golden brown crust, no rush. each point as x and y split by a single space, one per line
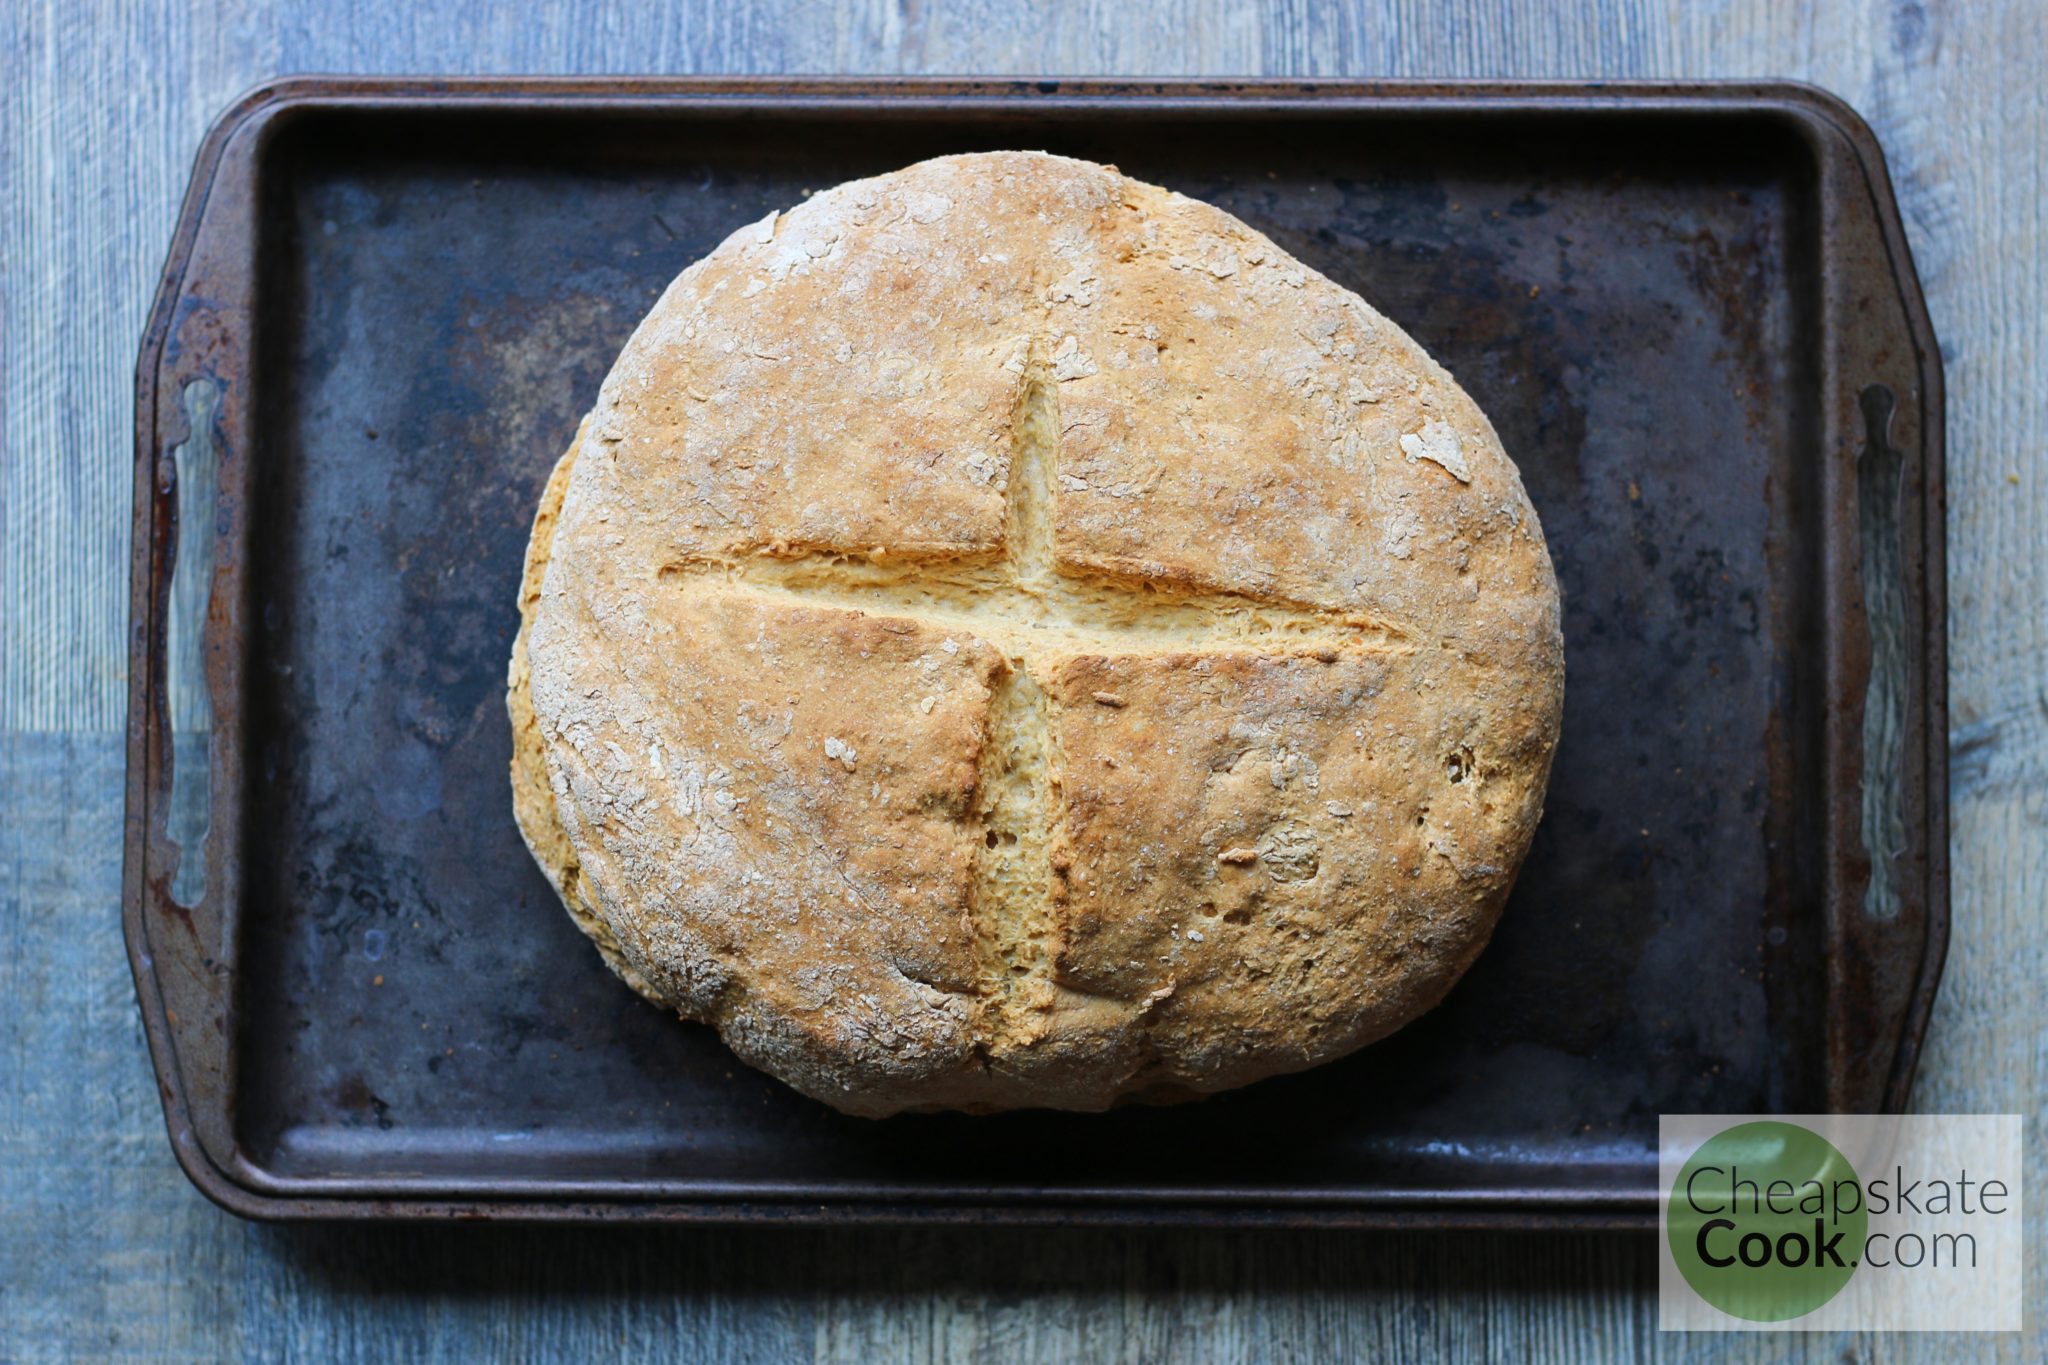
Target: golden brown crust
533 804
1010 635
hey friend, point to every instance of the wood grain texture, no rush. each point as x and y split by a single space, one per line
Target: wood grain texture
106 1252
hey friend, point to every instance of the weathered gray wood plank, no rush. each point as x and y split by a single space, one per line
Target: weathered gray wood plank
105 1252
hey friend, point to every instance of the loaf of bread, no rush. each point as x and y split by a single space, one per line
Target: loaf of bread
1010 635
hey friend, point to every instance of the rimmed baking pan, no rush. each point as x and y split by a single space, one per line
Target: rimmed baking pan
1689 310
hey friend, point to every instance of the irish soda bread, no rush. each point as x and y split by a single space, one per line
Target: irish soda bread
1011 635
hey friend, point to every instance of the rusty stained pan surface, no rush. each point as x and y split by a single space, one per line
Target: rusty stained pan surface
407 297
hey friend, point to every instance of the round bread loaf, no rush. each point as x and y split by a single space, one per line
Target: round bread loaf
1010 635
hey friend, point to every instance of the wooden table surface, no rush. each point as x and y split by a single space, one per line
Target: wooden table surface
105 1250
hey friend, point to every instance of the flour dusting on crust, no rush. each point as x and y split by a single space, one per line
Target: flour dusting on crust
1010 635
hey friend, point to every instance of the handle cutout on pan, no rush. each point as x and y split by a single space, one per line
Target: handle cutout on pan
1878 468
196 462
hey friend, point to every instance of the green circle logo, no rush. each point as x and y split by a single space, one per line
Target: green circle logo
1767 1221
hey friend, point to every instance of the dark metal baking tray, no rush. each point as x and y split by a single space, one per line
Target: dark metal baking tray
1688 308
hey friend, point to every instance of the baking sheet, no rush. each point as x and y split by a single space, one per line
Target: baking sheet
403 297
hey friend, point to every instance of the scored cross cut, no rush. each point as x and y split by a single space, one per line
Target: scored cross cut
1031 610
1022 603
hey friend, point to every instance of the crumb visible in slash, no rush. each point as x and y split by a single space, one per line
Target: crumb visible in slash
1238 856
